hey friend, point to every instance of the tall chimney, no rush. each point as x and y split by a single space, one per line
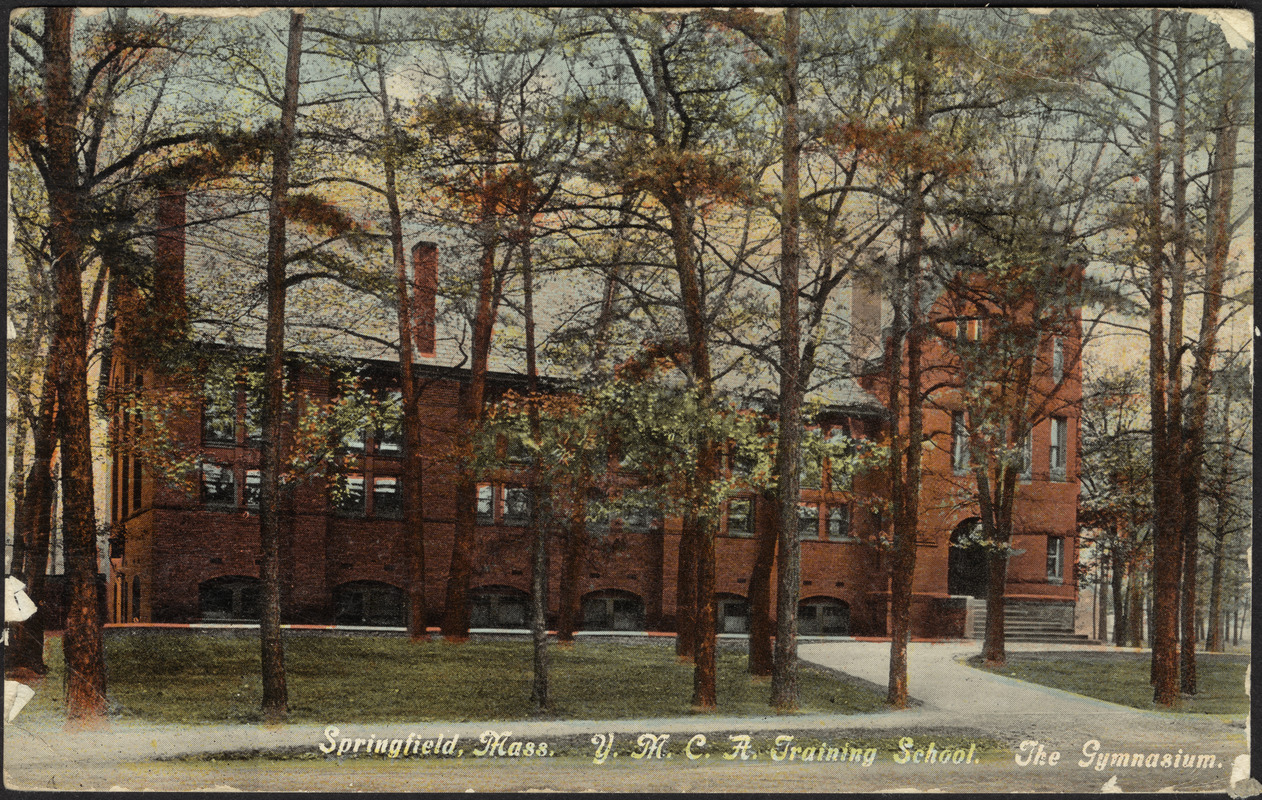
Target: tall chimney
424 293
170 303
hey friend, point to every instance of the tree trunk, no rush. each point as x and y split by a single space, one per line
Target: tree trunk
1104 608
412 480
455 624
275 689
1119 600
784 676
906 480
760 662
686 589
539 520
1135 617
993 647
571 611
34 524
1223 184
82 643
1167 549
705 625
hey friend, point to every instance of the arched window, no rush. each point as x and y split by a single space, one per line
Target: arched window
613 610
230 598
498 607
823 616
370 603
733 613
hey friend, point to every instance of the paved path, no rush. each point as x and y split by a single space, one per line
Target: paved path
38 753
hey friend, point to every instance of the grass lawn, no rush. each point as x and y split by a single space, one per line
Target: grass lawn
1123 678
191 677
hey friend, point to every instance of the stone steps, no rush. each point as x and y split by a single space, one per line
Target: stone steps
1023 624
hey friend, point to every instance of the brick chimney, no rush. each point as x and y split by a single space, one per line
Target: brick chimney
170 303
424 292
865 319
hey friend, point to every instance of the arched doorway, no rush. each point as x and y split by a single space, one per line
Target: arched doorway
968 572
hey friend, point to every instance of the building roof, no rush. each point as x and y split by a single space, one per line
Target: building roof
330 320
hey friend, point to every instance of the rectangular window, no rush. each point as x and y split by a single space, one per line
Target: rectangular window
812 470
1055 559
517 452
486 504
218 487
253 416
516 505
253 487
1058 358
219 413
351 495
968 330
390 426
386 501
1027 457
353 440
839 478
959 442
1059 447
640 519
839 523
739 519
808 521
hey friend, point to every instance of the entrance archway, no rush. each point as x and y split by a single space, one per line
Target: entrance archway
968 572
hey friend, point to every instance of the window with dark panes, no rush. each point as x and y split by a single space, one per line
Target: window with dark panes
808 521
733 615
640 519
516 505
385 497
1055 559
218 487
219 412
839 522
253 487
740 520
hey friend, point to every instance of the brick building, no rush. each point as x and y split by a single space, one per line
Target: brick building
186 555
